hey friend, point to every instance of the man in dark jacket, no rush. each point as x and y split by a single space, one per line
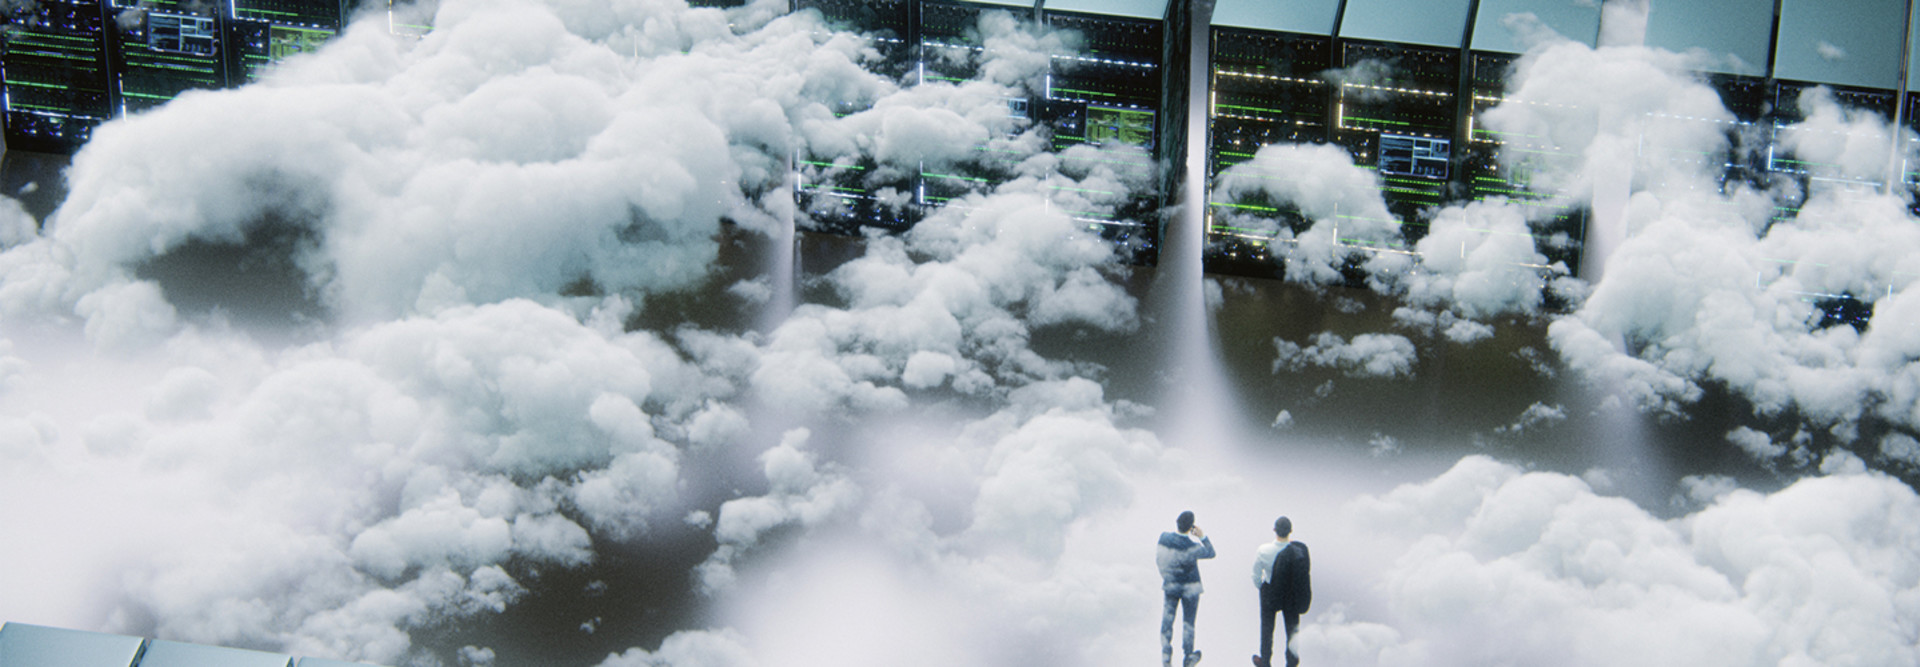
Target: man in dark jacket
1178 555
1280 571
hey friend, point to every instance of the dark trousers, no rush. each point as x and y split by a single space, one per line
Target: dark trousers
1292 621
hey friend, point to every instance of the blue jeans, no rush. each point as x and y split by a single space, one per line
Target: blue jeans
1187 598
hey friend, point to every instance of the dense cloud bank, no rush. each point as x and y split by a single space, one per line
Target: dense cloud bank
486 215
1498 565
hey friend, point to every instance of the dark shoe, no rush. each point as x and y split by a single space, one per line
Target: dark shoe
1193 659
1258 662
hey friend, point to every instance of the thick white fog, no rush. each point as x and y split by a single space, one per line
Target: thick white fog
485 372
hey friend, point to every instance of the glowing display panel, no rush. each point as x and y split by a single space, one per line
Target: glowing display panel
1414 156
1128 126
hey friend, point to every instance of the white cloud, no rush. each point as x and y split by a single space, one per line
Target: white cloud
332 498
799 493
1755 443
1368 355
690 648
1329 190
1538 415
1818 573
1901 448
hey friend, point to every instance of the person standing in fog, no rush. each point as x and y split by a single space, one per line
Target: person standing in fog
1179 556
1280 572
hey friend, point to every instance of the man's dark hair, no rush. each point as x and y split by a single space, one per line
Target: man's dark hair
1283 526
1185 522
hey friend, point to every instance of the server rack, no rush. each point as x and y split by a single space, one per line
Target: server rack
1511 166
1125 94
1266 85
162 48
948 49
70 65
56 76
261 33
844 193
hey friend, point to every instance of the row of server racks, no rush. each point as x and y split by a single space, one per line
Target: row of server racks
1401 84
1398 84
1767 55
70 65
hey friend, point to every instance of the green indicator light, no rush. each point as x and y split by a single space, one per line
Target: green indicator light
1250 207
1379 120
953 177
1248 108
1085 92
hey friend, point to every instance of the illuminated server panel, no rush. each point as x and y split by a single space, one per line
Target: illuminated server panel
56 76
1118 94
1559 226
841 193
262 33
1401 124
948 48
161 48
1266 88
1518 167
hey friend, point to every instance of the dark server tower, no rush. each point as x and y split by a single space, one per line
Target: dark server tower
56 76
1397 114
1114 94
891 24
1268 88
949 49
162 48
947 39
261 33
843 193
1561 237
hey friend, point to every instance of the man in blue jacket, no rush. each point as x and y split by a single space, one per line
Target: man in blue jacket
1280 571
1179 557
